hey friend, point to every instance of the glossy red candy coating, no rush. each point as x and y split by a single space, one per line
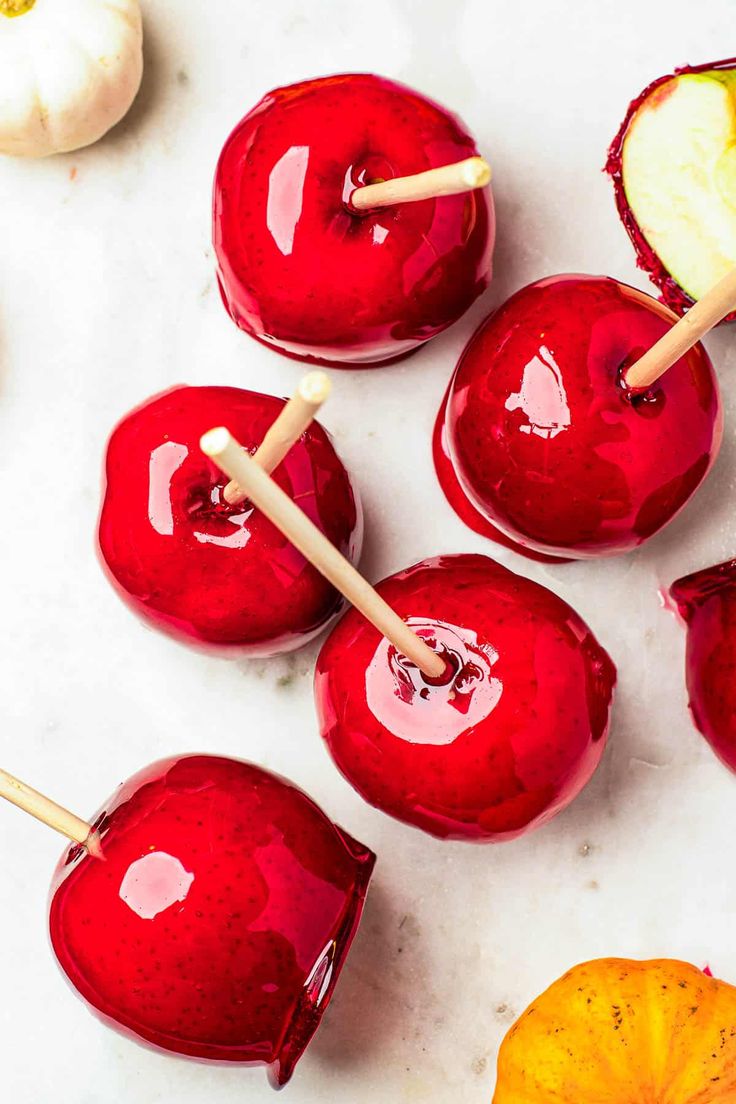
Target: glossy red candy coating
302 271
548 444
646 258
460 502
220 916
205 572
502 747
707 602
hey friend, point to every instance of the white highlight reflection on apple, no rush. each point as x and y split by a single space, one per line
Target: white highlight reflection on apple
407 707
542 397
285 197
238 538
163 464
154 883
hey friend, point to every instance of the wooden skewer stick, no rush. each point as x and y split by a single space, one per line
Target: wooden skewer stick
293 420
260 488
711 309
48 812
463 176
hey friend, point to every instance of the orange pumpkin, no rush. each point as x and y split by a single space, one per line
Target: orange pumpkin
615 1031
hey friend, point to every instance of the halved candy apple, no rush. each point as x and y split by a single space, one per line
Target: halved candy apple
673 163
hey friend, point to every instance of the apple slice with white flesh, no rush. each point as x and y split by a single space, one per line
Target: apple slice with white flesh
673 163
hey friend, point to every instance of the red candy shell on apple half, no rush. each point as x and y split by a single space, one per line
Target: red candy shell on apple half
673 158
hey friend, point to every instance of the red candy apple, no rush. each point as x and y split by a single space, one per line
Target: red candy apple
204 571
707 602
540 438
506 740
674 171
306 273
217 921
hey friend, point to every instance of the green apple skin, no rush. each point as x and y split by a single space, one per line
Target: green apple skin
673 164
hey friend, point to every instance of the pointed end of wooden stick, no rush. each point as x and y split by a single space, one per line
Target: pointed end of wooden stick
233 494
214 442
315 388
476 172
93 845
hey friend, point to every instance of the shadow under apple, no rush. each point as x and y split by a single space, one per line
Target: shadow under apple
369 1008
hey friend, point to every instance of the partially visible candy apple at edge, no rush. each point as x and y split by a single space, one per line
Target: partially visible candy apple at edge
706 601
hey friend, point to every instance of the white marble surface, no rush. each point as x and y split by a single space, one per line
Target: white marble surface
106 296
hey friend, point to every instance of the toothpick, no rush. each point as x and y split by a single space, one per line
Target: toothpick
48 812
294 419
709 310
463 176
260 488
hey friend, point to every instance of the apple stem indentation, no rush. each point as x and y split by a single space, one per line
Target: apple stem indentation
462 176
292 422
687 331
264 493
451 671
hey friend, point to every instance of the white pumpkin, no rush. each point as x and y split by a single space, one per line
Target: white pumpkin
69 70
